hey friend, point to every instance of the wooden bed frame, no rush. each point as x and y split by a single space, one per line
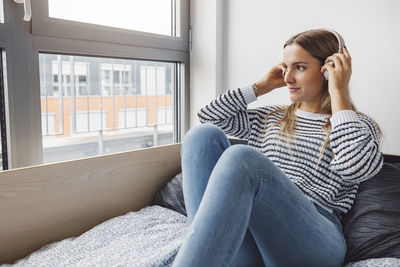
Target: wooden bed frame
47 203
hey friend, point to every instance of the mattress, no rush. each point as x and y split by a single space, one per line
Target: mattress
149 237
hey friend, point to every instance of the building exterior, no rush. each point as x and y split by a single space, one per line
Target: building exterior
84 99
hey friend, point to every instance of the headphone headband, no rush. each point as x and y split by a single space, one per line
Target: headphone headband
338 37
341 45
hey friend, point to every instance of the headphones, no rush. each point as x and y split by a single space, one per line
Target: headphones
341 45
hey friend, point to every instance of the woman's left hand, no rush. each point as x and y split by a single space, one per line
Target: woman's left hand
339 74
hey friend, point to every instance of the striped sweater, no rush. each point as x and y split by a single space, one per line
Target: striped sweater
352 156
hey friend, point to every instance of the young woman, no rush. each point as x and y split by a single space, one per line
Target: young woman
279 200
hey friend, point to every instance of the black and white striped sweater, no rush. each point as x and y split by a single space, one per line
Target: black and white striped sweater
352 156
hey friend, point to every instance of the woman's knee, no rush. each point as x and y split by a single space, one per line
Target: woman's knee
245 160
204 133
238 159
244 155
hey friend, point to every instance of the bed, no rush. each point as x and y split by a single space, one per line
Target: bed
43 204
97 212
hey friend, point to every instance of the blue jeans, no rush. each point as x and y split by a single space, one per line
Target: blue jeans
244 211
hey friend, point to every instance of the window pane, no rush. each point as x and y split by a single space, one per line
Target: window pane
92 106
1 12
141 15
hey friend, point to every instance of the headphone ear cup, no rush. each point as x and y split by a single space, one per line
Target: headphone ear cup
326 75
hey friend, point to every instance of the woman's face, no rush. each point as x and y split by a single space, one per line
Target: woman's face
303 76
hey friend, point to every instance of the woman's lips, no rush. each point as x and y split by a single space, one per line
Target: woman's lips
292 89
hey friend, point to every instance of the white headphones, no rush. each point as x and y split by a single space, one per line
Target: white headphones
341 45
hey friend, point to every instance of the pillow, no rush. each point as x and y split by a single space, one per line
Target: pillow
372 226
171 195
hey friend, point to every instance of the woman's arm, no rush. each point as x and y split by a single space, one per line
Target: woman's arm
354 140
339 78
229 111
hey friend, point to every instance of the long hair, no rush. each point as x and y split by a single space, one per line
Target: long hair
320 44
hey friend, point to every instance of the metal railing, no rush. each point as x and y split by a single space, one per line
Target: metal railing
66 98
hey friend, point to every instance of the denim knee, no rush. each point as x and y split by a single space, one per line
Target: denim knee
204 134
206 131
245 154
240 159
244 158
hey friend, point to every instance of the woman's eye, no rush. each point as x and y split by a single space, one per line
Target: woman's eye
299 67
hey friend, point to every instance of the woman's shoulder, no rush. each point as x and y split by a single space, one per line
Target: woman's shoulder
365 118
371 124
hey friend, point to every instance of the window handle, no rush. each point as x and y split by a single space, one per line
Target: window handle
27 8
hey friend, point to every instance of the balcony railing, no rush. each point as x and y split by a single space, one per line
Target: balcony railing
83 97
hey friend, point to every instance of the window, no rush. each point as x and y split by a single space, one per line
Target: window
129 118
158 23
80 83
164 115
88 121
103 12
49 123
1 12
96 116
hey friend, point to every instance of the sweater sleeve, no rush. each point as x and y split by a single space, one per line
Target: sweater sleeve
355 145
229 112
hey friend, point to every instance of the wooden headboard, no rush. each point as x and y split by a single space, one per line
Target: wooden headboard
47 203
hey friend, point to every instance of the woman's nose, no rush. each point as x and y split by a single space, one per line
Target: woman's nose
288 76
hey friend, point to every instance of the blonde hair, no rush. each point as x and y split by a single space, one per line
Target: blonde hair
320 44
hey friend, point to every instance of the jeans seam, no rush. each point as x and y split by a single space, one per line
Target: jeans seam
258 186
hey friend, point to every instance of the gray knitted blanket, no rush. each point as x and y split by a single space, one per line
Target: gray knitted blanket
149 237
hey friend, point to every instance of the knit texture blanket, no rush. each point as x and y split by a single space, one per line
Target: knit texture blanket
149 237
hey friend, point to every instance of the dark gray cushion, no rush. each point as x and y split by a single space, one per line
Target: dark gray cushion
372 226
171 195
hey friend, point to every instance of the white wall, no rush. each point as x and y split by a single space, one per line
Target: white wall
206 77
238 41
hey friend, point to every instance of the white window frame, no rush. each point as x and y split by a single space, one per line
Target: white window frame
43 24
23 41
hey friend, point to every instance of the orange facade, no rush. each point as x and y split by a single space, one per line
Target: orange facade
108 103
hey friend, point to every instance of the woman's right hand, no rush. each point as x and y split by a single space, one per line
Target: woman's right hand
272 80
